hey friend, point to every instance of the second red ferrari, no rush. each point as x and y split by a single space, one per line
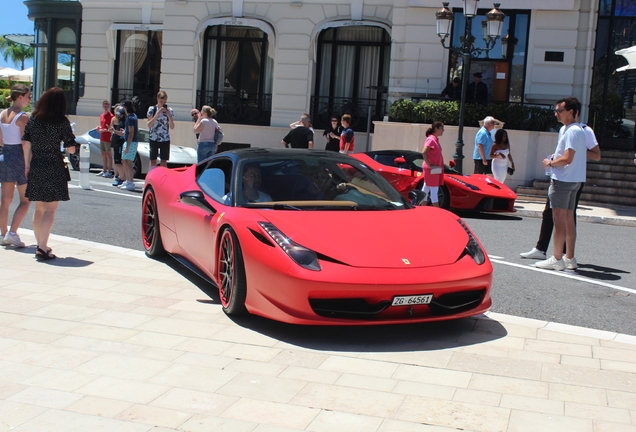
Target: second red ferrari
475 192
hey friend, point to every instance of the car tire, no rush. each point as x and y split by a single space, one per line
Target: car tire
137 167
443 196
231 274
150 231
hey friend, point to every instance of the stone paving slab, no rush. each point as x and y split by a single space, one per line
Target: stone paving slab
106 339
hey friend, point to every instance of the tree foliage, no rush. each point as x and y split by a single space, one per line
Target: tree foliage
18 53
515 116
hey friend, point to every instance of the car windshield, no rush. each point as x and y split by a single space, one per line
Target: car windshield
314 182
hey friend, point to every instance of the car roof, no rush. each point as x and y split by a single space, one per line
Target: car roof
258 152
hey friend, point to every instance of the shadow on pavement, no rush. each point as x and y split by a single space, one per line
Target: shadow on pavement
488 216
58 262
379 338
197 280
600 273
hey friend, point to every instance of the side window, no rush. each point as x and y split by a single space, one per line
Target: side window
215 180
93 133
142 135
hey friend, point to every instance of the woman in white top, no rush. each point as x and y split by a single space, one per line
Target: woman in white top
12 171
500 155
206 127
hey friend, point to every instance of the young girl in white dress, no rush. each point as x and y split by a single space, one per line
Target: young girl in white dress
12 172
500 155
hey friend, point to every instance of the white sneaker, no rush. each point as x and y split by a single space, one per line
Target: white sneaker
123 185
570 264
13 240
551 264
130 186
100 174
533 254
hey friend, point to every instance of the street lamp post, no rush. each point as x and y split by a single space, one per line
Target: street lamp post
491 30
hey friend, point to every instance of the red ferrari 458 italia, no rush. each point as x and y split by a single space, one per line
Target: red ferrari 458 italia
314 237
475 192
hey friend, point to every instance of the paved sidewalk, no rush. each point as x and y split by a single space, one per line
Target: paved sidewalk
106 339
594 213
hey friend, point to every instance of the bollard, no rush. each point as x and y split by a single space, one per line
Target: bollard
85 164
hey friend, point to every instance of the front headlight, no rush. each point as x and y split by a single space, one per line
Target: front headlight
472 247
300 255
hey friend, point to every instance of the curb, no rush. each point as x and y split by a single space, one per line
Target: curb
606 220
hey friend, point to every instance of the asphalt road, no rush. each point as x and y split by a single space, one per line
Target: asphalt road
600 295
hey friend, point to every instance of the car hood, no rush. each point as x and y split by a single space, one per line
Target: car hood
419 237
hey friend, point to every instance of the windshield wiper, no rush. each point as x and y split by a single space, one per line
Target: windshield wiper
285 207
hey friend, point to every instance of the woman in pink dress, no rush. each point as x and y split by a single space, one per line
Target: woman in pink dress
433 165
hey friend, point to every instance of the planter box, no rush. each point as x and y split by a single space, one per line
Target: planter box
528 148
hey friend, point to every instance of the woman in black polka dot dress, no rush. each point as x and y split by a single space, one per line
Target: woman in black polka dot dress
44 163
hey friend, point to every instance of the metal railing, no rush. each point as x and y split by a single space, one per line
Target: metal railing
233 108
324 107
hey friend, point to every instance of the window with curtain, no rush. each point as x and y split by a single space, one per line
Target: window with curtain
352 73
237 74
138 67
236 61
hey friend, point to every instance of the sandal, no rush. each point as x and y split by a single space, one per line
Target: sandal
44 255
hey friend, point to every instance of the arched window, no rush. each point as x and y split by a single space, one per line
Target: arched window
352 74
237 74
138 67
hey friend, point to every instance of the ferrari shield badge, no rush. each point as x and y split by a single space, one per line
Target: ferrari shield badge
405 261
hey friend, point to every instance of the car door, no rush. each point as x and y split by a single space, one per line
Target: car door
197 227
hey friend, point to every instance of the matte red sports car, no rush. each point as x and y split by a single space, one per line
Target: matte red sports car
476 192
314 237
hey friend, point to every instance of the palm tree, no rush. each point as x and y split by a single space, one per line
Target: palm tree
17 52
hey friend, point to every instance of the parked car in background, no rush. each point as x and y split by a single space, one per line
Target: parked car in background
474 192
179 156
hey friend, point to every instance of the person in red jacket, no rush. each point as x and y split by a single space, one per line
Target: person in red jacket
104 140
346 137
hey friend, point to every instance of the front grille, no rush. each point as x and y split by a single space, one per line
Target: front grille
456 302
360 309
494 204
347 308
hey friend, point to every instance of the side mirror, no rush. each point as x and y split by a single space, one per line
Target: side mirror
399 160
451 164
196 199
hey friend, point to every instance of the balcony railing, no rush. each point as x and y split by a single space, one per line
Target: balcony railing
141 99
324 107
233 108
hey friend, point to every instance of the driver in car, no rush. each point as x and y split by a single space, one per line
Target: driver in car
252 179
322 184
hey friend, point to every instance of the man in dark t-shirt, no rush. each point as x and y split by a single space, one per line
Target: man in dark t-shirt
301 136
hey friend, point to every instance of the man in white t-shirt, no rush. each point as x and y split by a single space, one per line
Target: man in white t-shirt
547 223
568 164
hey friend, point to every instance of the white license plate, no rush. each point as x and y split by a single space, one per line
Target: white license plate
412 300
